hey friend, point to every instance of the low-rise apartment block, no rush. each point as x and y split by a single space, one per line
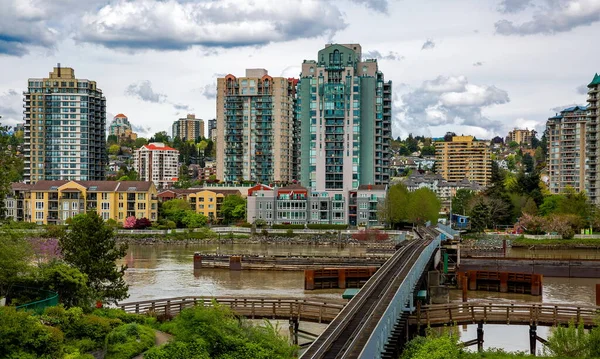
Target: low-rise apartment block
295 204
54 202
158 163
464 157
202 200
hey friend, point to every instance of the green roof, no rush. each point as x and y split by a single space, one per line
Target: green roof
595 81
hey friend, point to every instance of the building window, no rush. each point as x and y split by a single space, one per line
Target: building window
105 205
105 196
105 216
39 205
39 215
39 195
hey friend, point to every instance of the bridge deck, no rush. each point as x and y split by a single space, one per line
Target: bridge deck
496 313
311 310
346 336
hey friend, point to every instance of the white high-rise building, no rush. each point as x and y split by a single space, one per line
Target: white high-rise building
158 163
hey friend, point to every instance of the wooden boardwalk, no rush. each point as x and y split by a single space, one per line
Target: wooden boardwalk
310 310
544 314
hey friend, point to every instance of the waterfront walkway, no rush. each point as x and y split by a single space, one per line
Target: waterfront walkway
544 314
309 310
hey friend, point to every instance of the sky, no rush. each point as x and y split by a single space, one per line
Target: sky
478 67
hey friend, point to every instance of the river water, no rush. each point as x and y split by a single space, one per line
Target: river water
162 271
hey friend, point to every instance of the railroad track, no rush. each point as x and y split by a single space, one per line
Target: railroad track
346 336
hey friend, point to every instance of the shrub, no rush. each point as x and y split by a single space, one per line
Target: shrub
24 336
114 313
93 327
142 223
129 222
327 226
288 226
128 340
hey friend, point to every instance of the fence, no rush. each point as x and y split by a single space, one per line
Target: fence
50 300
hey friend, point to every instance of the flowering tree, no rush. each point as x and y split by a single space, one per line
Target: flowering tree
142 223
45 249
129 222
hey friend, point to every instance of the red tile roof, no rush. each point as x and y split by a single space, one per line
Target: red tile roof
120 116
154 147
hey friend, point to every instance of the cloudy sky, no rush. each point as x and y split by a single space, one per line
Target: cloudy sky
476 67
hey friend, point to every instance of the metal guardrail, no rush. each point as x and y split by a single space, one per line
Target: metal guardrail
403 301
39 306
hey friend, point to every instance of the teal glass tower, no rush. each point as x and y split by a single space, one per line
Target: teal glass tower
344 121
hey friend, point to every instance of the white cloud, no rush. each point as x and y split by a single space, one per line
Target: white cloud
11 103
554 17
428 45
143 90
445 102
374 54
173 25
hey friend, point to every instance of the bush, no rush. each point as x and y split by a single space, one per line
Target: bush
125 317
128 340
24 336
288 226
142 223
93 327
327 226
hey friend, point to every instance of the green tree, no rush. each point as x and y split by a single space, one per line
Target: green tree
161 136
90 246
15 258
527 161
550 205
175 210
11 166
428 150
114 150
575 203
139 142
513 145
112 140
68 282
395 208
233 208
460 202
423 206
194 220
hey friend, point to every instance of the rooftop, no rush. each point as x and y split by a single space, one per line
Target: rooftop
158 146
595 81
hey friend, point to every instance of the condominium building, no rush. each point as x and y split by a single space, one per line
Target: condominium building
344 120
212 129
255 127
54 202
65 120
566 162
121 128
158 163
464 157
295 204
189 128
206 201
445 190
593 140
522 137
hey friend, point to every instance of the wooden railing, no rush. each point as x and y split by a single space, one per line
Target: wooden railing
506 313
252 308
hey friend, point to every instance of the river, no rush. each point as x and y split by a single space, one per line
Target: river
161 271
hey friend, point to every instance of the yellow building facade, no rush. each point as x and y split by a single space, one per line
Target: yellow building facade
463 157
54 202
204 201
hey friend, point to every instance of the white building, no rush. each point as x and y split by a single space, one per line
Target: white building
158 163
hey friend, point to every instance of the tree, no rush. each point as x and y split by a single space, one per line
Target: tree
69 282
423 206
233 208
129 222
90 246
194 220
15 258
175 209
513 145
161 136
460 202
448 136
394 210
142 223
11 166
114 150
428 150
139 142
527 163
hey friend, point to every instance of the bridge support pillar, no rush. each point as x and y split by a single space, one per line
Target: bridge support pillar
532 339
294 326
197 260
480 336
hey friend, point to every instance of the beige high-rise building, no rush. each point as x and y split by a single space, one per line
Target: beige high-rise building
593 141
522 137
188 128
566 136
463 157
158 163
65 120
255 127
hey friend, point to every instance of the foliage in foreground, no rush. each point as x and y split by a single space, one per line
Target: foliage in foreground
202 333
574 341
128 340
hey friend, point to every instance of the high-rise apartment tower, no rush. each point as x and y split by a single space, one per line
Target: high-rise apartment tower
255 127
593 141
464 157
344 118
65 120
188 128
